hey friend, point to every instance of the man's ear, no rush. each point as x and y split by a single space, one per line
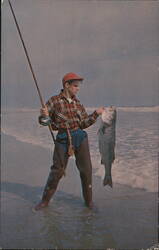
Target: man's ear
67 85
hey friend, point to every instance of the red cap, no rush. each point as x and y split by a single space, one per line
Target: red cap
71 76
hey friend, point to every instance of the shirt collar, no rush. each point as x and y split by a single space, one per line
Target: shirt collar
74 98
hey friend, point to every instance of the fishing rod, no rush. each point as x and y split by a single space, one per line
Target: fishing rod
33 74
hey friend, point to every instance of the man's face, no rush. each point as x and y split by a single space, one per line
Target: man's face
73 87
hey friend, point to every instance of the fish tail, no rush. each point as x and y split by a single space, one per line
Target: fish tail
108 181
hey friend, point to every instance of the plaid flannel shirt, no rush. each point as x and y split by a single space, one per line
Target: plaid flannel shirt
68 115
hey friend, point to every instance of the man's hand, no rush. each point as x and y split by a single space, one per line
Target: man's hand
44 111
100 110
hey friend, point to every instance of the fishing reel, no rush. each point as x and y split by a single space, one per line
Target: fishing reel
44 120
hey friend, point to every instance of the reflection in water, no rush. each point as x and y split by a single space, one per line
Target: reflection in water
66 223
69 225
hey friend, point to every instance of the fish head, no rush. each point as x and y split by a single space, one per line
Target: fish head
108 114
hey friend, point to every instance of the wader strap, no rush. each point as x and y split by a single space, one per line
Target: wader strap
70 145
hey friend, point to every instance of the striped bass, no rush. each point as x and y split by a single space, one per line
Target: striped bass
106 139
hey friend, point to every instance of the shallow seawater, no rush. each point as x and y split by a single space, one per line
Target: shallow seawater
121 214
69 226
136 149
66 223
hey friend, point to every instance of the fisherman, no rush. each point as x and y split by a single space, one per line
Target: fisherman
66 114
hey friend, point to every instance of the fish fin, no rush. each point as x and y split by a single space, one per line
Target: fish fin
108 181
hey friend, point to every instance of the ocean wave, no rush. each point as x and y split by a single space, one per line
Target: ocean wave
121 174
28 139
144 177
89 109
136 146
131 109
139 109
18 110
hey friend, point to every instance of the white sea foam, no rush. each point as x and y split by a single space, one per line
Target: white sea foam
122 174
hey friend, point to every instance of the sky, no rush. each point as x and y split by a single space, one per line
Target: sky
113 45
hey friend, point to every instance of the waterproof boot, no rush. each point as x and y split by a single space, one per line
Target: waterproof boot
45 199
87 192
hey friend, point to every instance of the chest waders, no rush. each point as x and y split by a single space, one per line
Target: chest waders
83 163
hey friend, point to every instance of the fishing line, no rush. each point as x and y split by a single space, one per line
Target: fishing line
33 74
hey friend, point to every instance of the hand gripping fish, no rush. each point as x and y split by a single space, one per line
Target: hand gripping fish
106 137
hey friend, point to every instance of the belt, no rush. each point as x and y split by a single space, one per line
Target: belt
62 130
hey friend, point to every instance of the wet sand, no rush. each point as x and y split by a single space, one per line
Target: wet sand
124 218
